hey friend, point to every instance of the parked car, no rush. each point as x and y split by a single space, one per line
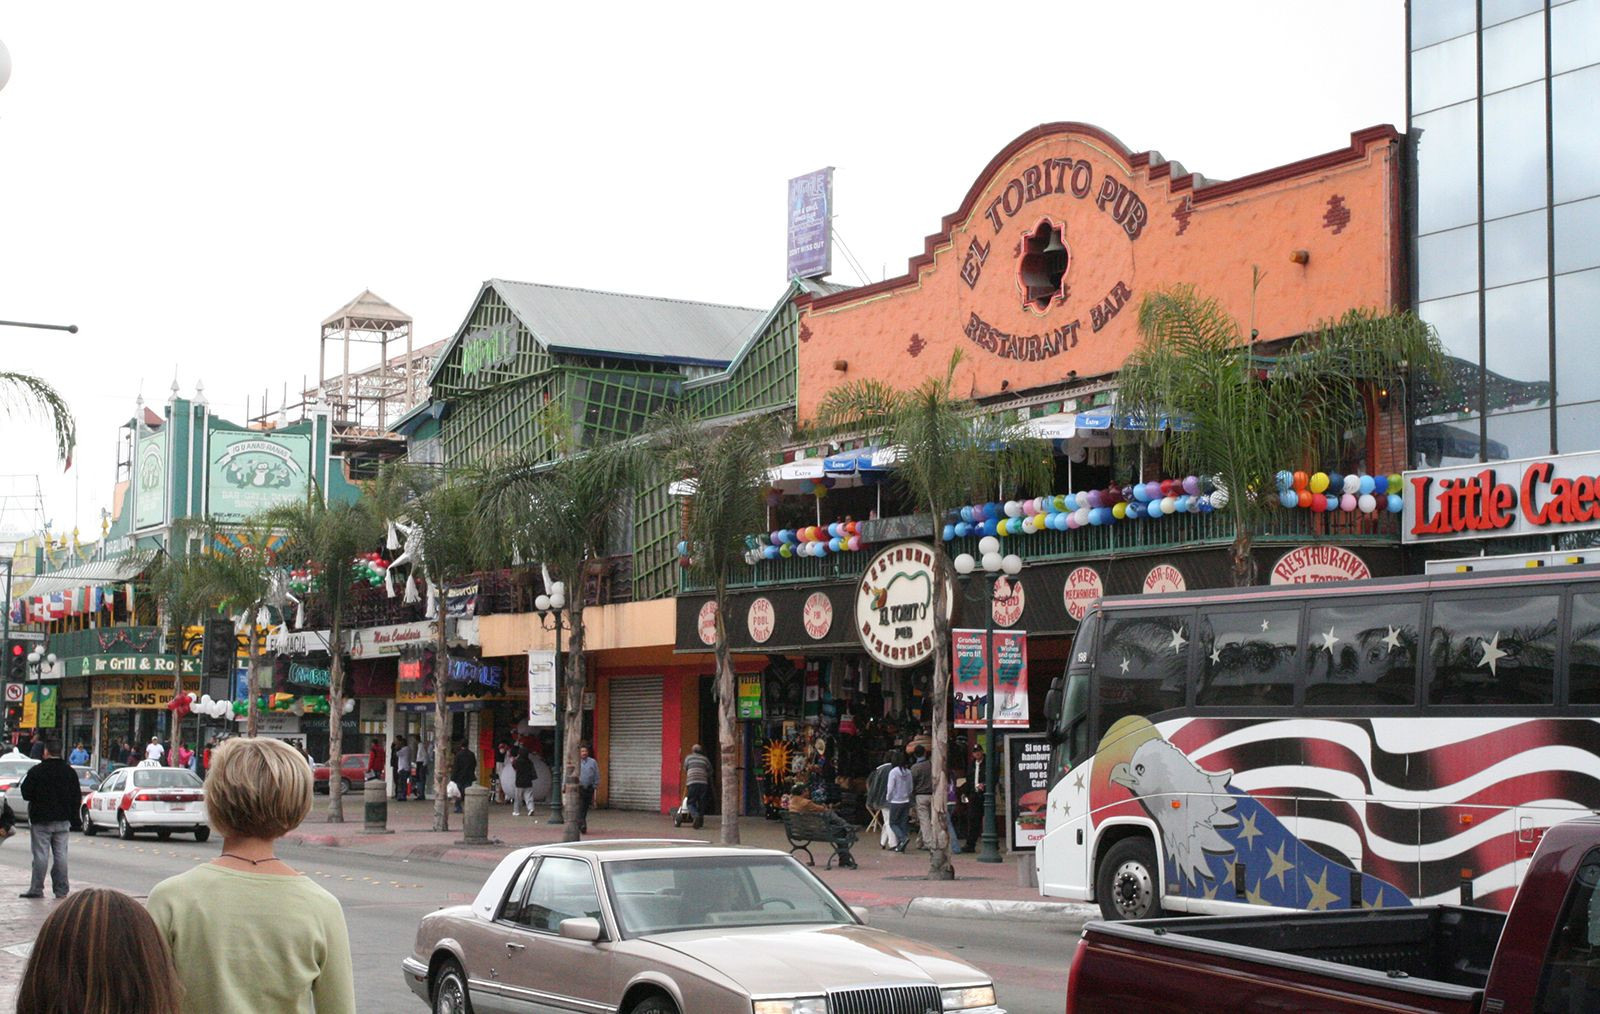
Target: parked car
13 766
148 797
352 771
660 927
1542 955
88 781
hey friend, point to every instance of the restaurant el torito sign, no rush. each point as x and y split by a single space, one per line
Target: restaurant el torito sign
1040 270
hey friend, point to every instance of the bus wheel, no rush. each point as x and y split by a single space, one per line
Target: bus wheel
1127 881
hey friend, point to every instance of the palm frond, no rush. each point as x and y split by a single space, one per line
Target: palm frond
26 396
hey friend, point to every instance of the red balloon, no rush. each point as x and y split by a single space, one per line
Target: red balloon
1319 502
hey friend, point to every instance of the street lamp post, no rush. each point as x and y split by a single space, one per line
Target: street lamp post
38 658
552 617
994 567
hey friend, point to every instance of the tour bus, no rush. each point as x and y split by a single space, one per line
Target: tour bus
1367 744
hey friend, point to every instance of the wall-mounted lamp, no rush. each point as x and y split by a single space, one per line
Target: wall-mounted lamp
841 365
1005 385
1301 257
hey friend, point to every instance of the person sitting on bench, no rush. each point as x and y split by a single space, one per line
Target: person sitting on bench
840 833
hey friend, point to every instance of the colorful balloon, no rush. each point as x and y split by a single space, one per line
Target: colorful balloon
1319 482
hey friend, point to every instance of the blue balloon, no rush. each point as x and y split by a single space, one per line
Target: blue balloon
683 549
1333 502
1335 484
1141 493
1367 485
770 552
966 514
949 533
1206 507
1285 481
988 527
1396 503
963 529
1136 509
1287 497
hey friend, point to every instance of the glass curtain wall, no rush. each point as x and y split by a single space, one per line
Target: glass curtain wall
1506 220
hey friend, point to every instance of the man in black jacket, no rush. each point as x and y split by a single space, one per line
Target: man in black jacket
463 771
54 799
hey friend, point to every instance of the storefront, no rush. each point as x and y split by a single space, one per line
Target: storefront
131 708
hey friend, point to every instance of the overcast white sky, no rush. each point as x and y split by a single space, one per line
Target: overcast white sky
196 185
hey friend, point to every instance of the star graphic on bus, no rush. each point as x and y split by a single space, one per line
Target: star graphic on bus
1178 641
1125 665
1264 626
1492 654
1392 640
1328 641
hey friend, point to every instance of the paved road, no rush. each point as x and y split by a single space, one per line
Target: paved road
383 900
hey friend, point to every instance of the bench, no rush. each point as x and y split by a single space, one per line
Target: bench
806 829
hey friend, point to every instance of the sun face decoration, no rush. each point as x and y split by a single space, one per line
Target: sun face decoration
776 756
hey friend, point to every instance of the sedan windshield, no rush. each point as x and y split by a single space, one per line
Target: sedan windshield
164 778
15 768
664 895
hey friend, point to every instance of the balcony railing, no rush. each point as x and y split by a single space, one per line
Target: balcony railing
1178 531
107 641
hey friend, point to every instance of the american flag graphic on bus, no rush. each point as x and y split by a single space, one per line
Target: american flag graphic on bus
1279 807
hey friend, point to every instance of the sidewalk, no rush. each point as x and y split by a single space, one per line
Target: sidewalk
885 879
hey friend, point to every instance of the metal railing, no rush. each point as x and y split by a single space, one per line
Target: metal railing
1174 532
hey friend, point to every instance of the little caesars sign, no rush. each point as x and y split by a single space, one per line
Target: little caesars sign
894 605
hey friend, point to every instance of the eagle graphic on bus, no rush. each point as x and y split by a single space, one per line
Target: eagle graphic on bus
1216 838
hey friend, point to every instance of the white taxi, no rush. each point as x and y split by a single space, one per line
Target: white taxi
148 797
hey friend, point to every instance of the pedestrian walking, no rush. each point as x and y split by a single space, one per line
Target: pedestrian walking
696 783
922 795
975 790
154 750
898 796
877 799
79 756
419 769
375 759
99 951
402 770
54 799
463 771
588 781
522 774
182 756
501 750
247 901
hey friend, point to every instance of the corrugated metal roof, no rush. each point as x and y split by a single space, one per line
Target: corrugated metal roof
368 306
585 321
98 572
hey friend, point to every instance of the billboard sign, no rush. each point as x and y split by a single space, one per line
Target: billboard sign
150 480
811 224
1028 787
250 472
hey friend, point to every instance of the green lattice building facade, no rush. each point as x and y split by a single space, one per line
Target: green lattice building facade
609 363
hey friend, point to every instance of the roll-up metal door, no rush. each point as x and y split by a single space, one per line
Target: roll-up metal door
634 767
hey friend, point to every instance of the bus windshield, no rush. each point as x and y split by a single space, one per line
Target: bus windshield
1071 725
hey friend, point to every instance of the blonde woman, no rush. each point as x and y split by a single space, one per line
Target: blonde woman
247 932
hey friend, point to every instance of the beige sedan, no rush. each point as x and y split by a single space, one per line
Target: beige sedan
662 927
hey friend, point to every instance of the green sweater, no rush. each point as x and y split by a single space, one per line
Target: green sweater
255 942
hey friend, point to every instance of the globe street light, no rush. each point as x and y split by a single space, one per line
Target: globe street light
995 567
38 658
550 608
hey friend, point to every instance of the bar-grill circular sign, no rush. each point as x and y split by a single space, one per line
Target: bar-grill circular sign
894 605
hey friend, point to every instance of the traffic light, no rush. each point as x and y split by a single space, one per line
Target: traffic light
218 648
16 661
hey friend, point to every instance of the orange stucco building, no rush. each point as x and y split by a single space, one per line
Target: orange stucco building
1037 275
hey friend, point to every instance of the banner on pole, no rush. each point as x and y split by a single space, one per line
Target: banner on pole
972 656
542 689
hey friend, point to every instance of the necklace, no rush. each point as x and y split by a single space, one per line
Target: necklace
252 862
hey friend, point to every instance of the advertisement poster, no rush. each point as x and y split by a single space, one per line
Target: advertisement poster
1028 786
252 471
811 224
750 696
542 689
970 703
150 478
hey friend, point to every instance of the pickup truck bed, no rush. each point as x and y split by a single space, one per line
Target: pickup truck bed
1440 955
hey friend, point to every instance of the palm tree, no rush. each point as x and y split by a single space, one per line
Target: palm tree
728 465
327 537
948 455
31 397
1252 413
241 582
565 514
441 509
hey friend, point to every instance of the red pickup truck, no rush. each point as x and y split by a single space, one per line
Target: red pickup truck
1541 956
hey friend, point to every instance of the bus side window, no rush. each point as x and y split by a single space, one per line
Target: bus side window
1499 650
1363 653
1142 664
1250 658
1583 650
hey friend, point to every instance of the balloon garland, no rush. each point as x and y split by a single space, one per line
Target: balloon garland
1065 512
811 540
1330 491
368 568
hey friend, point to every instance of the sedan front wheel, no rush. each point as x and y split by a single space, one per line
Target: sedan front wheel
450 991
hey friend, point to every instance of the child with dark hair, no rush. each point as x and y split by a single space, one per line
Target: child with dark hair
99 952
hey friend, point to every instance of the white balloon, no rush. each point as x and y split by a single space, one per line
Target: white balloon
5 65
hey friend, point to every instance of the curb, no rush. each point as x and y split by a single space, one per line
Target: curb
1064 914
